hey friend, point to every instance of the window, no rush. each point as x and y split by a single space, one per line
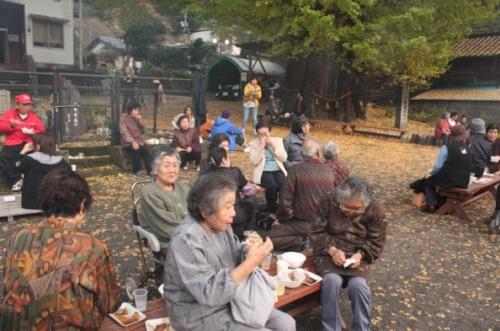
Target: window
48 33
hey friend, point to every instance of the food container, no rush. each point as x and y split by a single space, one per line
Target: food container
131 310
292 278
159 324
294 259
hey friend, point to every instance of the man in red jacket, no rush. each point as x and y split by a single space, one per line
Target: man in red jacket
18 124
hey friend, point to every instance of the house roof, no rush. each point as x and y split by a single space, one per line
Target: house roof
114 42
478 46
460 94
267 67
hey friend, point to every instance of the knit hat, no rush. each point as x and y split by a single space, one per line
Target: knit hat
458 133
477 125
225 114
23 98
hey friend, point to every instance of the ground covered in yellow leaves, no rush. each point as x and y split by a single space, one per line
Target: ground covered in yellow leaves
435 272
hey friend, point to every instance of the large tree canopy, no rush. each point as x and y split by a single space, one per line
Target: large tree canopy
404 42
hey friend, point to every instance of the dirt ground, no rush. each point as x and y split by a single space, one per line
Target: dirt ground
435 273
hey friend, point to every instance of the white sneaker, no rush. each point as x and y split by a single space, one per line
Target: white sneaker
198 168
17 186
185 167
246 149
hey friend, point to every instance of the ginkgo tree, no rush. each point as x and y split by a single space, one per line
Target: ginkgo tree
404 43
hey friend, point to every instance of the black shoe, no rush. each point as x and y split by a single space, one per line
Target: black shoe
495 220
430 209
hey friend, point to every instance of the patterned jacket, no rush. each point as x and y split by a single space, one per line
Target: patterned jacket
340 170
56 277
308 186
366 233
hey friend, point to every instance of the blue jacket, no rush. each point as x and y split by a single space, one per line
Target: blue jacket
222 125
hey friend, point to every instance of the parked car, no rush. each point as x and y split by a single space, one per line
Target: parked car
229 92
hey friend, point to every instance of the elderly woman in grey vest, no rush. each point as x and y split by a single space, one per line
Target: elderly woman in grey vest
207 263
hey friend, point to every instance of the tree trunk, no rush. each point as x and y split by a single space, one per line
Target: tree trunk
319 74
402 108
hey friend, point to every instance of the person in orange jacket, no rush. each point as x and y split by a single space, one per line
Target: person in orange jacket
19 124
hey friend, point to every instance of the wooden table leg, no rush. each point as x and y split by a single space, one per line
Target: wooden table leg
459 212
446 208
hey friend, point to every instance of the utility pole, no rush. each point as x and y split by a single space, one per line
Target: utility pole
80 46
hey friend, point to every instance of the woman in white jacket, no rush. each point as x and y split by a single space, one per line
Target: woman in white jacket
267 155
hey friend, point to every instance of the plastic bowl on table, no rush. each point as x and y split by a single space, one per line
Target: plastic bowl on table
294 259
298 276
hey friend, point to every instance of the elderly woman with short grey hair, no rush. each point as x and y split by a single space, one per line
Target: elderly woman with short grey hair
330 155
207 263
163 202
354 239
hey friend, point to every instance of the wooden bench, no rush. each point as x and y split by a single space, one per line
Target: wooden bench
458 198
343 127
10 206
378 131
295 301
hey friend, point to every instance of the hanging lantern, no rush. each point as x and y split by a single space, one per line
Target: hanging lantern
327 106
316 101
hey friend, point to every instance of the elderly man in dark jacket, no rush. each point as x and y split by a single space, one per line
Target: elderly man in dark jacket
307 187
354 238
480 148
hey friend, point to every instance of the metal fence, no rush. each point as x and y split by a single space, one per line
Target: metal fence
81 106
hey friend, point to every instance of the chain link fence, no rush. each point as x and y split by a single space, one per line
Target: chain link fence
81 106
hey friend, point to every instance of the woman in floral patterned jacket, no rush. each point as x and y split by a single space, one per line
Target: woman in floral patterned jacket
55 276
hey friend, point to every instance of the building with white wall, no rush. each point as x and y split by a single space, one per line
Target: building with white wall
41 30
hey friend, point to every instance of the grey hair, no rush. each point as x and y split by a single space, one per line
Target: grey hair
206 193
355 187
167 151
311 148
330 150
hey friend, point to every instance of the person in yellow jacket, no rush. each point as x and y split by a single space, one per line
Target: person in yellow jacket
251 98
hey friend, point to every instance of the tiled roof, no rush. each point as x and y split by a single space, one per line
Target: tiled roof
478 46
460 94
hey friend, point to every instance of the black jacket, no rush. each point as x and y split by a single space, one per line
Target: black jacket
457 167
35 167
480 150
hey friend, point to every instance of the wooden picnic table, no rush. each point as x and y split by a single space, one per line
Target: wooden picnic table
295 301
458 198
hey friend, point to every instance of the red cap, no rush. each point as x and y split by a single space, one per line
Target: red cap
23 98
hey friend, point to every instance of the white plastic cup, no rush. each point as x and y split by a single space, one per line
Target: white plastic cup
73 167
282 265
140 299
266 264
279 286
80 155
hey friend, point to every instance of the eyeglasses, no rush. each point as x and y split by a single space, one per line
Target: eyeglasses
350 211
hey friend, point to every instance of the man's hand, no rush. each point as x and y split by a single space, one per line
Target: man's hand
135 146
27 148
189 149
14 122
258 252
338 256
357 260
178 149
